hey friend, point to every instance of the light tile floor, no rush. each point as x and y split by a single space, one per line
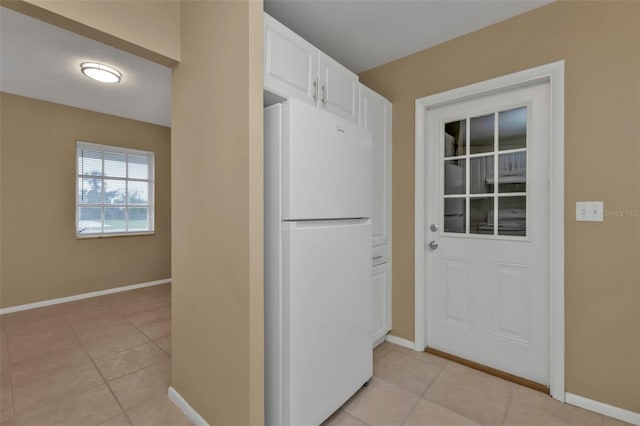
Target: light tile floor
419 389
106 361
100 361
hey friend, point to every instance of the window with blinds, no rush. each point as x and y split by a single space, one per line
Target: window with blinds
114 190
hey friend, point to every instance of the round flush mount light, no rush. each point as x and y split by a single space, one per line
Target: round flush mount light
101 72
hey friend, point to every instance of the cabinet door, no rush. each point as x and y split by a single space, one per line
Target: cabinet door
375 115
381 301
338 88
290 62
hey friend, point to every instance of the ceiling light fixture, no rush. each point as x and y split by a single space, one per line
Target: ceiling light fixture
101 72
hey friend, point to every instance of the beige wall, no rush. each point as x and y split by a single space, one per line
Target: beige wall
217 301
41 257
600 42
146 28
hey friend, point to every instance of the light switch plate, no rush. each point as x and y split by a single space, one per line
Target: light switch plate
590 211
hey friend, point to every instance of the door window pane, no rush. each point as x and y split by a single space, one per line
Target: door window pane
481 215
512 172
512 129
455 177
512 216
481 134
455 217
455 138
481 175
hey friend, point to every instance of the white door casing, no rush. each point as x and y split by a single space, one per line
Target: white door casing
495 270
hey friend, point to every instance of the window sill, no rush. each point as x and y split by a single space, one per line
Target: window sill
115 234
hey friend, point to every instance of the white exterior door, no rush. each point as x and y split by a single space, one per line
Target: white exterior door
487 230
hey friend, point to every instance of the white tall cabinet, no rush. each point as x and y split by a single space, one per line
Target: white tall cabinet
375 115
294 68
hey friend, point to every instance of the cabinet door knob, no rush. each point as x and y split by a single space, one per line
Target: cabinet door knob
324 95
315 90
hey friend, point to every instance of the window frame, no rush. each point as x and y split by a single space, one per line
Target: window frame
103 148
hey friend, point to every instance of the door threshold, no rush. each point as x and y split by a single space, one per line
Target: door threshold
492 371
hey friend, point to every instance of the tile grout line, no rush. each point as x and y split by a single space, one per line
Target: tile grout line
100 373
404 390
127 320
13 405
506 411
433 381
59 312
152 340
447 408
410 411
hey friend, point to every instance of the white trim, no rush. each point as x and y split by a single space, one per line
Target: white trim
602 408
401 342
554 74
187 409
379 341
57 301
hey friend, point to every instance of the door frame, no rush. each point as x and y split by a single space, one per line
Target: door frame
553 74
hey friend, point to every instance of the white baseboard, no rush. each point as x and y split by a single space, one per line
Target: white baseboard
400 341
379 341
50 302
602 408
186 408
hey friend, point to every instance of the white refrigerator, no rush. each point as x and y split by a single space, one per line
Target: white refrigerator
318 310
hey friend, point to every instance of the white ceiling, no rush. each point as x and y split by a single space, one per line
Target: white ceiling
362 34
42 61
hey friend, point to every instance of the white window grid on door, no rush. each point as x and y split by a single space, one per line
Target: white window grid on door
495 194
102 205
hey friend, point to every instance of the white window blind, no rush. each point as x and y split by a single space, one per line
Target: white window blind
114 190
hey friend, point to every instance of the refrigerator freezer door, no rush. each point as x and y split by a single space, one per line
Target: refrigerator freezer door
328 283
326 165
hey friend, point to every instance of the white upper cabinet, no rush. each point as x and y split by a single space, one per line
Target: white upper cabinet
338 88
290 62
294 68
375 115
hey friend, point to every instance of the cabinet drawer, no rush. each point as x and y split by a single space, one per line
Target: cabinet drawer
380 255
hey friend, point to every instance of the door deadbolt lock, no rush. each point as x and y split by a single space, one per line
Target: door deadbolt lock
433 227
433 245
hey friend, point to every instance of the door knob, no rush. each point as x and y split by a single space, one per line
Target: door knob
433 245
